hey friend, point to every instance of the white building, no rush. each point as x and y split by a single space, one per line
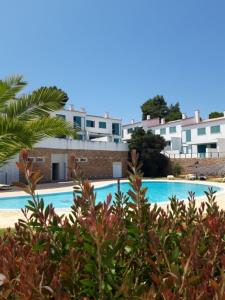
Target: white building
101 135
187 137
94 128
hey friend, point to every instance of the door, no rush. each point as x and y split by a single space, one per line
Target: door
59 166
117 169
55 171
201 151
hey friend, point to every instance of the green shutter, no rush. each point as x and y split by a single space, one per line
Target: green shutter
201 131
173 129
188 135
215 129
162 130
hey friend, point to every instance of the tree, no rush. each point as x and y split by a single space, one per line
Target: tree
25 118
149 147
215 114
174 112
155 107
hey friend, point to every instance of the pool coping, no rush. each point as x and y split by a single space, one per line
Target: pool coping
8 217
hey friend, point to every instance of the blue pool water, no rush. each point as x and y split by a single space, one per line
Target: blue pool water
158 191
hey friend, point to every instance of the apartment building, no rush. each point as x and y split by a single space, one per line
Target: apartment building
98 150
187 137
93 128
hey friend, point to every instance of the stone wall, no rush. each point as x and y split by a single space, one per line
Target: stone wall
206 166
99 164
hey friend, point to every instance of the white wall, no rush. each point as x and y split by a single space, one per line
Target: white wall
9 173
221 145
109 122
209 137
168 136
55 143
69 114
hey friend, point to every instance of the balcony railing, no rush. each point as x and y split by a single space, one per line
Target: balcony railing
215 154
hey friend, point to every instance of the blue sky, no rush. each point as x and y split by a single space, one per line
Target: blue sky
112 55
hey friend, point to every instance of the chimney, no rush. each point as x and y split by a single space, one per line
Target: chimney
132 121
148 117
83 109
71 107
106 115
184 116
197 116
163 121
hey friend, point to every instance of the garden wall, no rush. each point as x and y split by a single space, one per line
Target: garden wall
95 164
206 166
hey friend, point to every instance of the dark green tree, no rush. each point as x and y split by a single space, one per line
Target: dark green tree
155 107
174 112
215 114
149 147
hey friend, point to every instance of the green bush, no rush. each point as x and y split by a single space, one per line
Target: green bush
176 169
123 248
149 147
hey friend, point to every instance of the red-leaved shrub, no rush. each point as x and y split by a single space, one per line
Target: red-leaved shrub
123 248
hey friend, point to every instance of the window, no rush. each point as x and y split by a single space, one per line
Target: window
130 130
116 128
188 135
102 125
116 141
77 121
173 129
82 160
201 131
61 116
32 159
90 123
213 146
215 129
40 159
162 130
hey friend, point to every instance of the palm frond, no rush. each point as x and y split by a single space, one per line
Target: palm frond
16 135
37 104
51 127
9 87
26 120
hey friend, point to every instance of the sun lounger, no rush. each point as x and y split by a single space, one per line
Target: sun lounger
222 179
5 187
190 176
170 177
202 177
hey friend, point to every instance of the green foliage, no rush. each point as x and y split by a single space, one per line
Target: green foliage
157 107
174 113
215 114
149 146
128 249
176 168
25 119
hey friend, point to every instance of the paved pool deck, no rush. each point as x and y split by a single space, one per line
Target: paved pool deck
8 217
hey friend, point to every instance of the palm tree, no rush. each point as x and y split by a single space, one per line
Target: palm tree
25 118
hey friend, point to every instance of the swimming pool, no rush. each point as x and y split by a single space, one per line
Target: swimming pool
158 191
